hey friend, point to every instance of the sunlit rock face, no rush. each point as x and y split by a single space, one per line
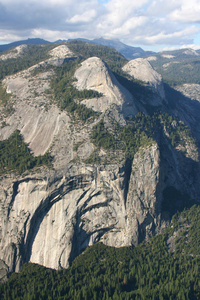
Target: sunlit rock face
141 69
49 216
94 75
51 219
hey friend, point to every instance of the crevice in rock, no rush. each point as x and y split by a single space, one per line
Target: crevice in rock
127 176
59 261
97 205
142 228
89 199
81 238
21 246
15 191
45 207
14 258
82 196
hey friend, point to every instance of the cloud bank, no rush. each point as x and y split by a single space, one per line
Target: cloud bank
147 23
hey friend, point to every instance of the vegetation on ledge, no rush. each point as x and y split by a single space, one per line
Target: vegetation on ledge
153 270
141 131
67 96
179 70
15 156
5 101
32 55
110 56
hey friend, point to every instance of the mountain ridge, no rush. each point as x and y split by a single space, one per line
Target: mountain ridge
129 52
127 273
124 159
30 41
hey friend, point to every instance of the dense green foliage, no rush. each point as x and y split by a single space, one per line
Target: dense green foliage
4 96
102 138
176 129
16 157
178 70
110 56
136 87
140 131
62 85
188 241
66 94
149 271
115 62
5 101
32 55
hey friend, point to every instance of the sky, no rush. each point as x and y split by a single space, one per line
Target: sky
151 24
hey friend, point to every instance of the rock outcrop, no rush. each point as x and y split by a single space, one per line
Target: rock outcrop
191 91
61 51
141 69
19 50
94 75
49 216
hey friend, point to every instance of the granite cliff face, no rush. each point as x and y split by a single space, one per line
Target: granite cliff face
94 74
141 69
49 216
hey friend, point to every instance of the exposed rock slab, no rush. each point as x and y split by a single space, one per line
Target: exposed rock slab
51 215
141 69
190 90
14 53
61 51
94 75
38 121
3 271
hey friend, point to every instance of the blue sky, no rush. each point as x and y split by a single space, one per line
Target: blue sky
151 24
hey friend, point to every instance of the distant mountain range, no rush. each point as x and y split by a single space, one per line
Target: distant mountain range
177 67
128 52
96 148
35 41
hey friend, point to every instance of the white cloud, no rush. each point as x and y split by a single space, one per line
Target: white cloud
6 36
162 7
188 46
118 12
50 35
126 28
144 22
86 17
176 10
188 12
172 37
36 2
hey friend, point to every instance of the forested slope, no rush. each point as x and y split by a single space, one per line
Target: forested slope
87 163
166 267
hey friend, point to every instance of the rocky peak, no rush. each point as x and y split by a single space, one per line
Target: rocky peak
190 90
141 69
14 53
93 74
191 52
61 51
118 195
